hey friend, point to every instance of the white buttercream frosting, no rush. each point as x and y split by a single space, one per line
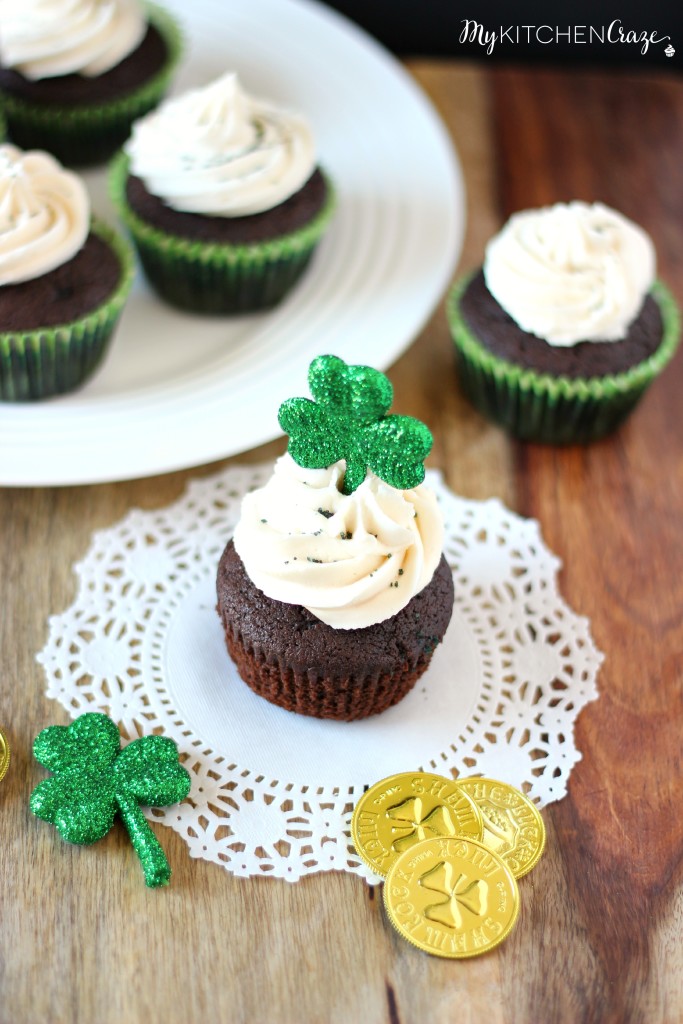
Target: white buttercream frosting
44 214
571 272
46 38
351 559
220 152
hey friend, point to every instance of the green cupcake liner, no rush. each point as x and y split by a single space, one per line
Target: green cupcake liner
49 361
216 278
86 135
555 410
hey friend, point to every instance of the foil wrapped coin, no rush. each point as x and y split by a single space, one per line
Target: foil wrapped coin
405 809
452 898
4 755
513 827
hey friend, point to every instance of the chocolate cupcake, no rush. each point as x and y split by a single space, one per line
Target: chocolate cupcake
63 280
334 592
565 326
223 198
73 78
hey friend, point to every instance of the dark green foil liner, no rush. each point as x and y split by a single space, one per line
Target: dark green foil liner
86 135
215 278
554 410
53 360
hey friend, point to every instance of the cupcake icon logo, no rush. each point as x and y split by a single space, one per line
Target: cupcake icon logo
669 50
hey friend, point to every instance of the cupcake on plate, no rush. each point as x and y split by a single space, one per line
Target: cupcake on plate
63 279
565 326
334 591
223 198
74 76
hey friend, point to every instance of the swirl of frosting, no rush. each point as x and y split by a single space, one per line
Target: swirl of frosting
46 38
352 560
220 152
571 272
44 214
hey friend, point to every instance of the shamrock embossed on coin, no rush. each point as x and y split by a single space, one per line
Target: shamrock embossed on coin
93 779
413 823
407 808
457 889
479 900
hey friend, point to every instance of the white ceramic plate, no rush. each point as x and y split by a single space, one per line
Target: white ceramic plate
178 390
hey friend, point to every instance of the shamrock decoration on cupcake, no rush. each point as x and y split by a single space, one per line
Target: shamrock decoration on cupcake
349 420
334 592
94 779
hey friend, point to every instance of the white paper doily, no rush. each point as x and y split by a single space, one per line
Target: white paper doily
272 791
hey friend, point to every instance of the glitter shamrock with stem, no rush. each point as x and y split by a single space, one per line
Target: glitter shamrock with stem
93 779
349 420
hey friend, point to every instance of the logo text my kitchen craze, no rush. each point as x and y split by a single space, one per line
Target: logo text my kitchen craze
547 35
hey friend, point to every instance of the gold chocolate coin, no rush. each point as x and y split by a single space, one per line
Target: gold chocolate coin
4 755
451 897
513 827
406 809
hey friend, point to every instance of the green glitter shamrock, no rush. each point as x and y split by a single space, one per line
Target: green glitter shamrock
93 779
348 420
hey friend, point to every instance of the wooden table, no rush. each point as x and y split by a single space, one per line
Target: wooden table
601 932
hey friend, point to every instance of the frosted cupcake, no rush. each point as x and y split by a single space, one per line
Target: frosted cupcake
75 75
223 198
565 326
334 592
63 280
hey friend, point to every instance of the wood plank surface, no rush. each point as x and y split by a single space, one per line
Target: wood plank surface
614 512
601 930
